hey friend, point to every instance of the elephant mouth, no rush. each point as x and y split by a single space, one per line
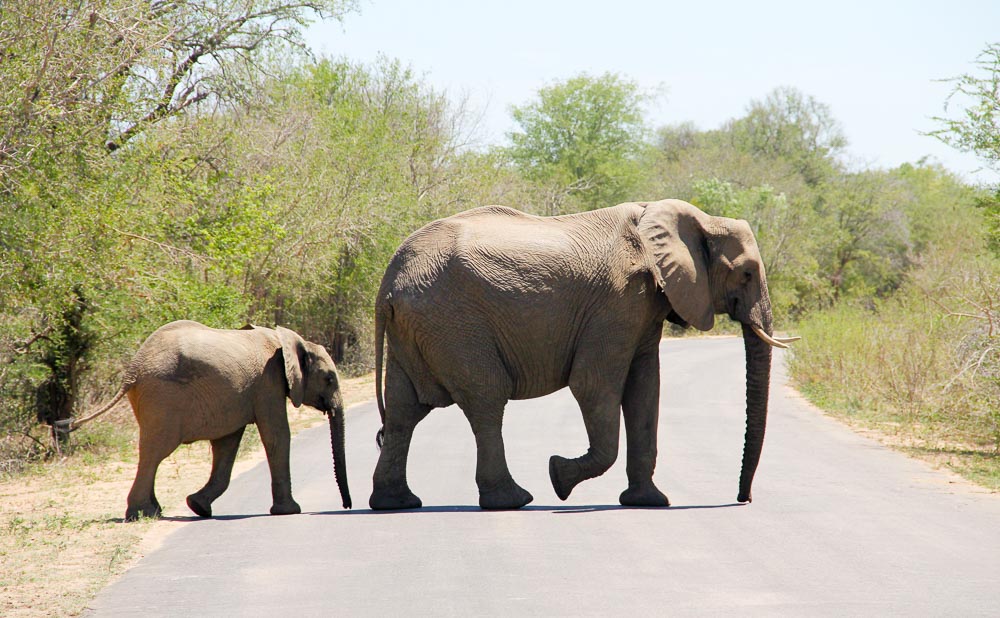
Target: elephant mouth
774 342
326 406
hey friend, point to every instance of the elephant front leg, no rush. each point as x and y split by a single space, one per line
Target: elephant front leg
223 456
276 436
641 409
599 404
497 489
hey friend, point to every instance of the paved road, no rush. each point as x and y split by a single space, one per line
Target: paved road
839 526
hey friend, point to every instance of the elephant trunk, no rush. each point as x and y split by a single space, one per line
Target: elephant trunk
336 417
758 361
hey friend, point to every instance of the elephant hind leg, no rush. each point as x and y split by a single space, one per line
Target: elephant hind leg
403 411
224 451
641 409
141 498
497 489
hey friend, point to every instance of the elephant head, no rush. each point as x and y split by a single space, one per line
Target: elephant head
711 265
313 380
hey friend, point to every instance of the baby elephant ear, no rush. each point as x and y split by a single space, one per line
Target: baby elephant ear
673 234
293 349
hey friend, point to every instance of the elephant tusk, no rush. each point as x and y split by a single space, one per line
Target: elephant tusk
772 341
786 339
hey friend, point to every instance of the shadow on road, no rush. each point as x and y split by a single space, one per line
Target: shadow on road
556 509
189 518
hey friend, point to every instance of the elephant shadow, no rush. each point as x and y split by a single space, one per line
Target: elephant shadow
195 518
560 509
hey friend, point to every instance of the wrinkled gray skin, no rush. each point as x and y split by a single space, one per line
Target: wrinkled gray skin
190 382
492 305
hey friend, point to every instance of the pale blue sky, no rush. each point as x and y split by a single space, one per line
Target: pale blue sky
874 63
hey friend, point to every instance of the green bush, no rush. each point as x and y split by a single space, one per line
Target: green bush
920 364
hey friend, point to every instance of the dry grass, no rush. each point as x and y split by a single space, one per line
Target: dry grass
61 533
921 382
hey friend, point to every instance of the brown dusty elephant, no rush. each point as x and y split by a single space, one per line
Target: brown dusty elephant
493 304
190 382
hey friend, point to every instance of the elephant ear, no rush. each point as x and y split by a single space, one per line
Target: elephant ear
293 350
673 233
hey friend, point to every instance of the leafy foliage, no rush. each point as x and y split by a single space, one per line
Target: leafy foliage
917 356
977 128
912 365
793 127
584 136
76 223
173 160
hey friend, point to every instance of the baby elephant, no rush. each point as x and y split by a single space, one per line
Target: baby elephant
190 382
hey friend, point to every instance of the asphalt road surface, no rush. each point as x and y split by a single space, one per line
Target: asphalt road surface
839 526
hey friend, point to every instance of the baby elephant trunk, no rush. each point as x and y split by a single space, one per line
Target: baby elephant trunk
336 416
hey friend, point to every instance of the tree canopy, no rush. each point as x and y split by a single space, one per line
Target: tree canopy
584 136
976 129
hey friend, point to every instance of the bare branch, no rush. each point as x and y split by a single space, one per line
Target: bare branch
22 346
168 249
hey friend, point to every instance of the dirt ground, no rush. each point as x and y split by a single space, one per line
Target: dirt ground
61 533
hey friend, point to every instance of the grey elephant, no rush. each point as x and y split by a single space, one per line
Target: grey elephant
493 304
189 382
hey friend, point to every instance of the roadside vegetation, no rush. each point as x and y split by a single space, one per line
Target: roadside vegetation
191 160
167 160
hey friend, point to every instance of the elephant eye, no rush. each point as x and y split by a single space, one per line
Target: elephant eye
747 276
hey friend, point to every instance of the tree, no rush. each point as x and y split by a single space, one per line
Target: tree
355 157
101 73
791 126
82 82
583 137
977 129
865 248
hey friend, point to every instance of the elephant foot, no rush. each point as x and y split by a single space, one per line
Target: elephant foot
200 506
286 508
564 474
134 513
643 495
512 496
384 500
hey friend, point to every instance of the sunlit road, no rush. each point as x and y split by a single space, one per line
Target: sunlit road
839 526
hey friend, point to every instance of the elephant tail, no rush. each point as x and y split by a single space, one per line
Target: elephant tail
72 424
381 311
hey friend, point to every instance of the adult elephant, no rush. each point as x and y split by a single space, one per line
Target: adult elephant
190 382
493 304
